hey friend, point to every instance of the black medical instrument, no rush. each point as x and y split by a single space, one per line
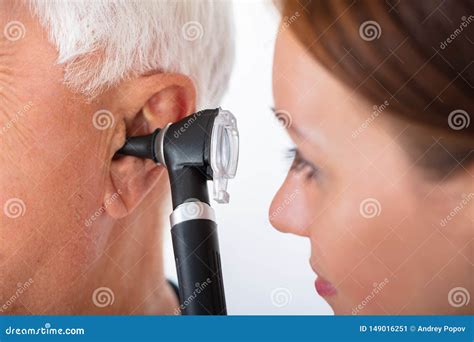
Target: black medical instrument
201 147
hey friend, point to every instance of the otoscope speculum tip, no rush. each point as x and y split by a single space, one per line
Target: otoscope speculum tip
215 130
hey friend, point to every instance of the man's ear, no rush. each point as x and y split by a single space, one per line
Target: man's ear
147 103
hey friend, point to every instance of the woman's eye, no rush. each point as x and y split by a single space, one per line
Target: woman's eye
300 164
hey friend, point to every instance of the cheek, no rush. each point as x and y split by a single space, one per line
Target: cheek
382 243
354 238
53 179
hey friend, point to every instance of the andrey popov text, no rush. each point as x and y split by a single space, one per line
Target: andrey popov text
413 328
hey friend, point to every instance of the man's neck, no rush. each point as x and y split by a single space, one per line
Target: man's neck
131 268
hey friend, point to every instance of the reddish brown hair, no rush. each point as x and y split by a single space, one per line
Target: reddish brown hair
418 55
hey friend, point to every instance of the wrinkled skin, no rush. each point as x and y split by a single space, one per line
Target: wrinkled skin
74 218
391 254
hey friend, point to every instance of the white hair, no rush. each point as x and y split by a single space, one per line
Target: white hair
102 42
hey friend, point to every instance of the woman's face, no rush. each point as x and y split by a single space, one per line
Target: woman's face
378 242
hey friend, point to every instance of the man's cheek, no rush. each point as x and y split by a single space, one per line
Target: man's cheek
56 279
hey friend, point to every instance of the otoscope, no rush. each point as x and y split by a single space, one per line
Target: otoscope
200 147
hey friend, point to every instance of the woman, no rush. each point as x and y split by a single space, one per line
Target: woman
377 98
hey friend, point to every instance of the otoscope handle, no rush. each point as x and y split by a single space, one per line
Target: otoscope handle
198 262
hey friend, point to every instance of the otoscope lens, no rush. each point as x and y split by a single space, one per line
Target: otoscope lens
225 150
224 153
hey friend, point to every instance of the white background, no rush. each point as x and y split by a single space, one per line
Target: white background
265 271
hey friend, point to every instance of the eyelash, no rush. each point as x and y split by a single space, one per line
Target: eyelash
301 164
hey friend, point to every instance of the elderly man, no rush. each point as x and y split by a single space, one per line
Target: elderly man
80 230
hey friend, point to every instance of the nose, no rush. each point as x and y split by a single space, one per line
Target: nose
288 212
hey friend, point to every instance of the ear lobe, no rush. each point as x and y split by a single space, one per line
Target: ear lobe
130 181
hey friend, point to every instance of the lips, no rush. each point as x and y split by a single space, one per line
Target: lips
324 287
